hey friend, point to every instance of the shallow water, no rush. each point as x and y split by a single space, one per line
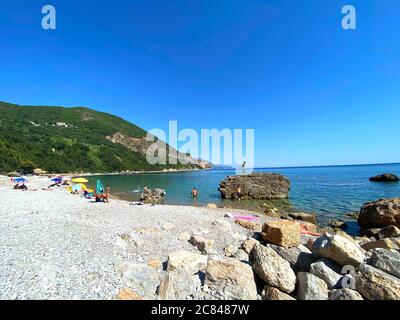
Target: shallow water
331 192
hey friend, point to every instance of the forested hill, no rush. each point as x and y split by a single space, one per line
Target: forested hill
57 139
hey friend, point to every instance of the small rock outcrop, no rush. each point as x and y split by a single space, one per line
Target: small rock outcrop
256 186
380 214
386 177
153 196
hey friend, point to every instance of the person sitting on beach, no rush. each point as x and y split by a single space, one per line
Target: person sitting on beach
106 195
146 190
239 192
195 193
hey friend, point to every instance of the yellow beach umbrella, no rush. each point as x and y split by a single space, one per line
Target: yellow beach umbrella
80 180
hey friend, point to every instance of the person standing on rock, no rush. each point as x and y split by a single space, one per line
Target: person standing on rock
244 167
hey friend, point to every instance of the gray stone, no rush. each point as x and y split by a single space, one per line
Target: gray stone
387 260
345 294
176 285
311 287
374 284
327 271
203 244
140 277
300 257
230 279
303 216
272 268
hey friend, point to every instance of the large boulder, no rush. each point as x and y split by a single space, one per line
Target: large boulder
271 293
386 177
256 186
272 268
282 233
311 287
380 214
387 260
300 257
230 279
344 251
374 284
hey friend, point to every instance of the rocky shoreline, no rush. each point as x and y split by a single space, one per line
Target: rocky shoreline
83 250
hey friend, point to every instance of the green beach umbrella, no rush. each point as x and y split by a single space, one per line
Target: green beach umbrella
99 187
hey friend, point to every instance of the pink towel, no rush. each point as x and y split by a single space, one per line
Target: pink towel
246 218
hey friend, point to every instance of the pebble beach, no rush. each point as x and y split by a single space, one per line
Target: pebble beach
56 245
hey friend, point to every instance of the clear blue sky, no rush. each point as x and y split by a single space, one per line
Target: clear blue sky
314 93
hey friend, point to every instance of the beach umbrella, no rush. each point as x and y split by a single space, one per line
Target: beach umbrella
99 187
80 180
19 180
56 179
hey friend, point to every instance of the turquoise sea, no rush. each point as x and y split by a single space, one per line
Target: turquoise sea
331 191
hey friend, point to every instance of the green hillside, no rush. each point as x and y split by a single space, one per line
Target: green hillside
30 138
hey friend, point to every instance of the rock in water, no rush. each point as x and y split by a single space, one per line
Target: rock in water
374 284
386 177
311 287
153 196
345 294
272 268
230 279
176 285
327 271
380 214
339 249
282 233
256 186
387 260
271 293
303 216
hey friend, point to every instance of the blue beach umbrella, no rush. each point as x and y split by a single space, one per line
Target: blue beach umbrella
20 180
57 179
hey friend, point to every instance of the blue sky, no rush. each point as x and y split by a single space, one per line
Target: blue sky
314 93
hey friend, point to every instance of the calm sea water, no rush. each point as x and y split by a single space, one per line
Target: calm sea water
331 192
